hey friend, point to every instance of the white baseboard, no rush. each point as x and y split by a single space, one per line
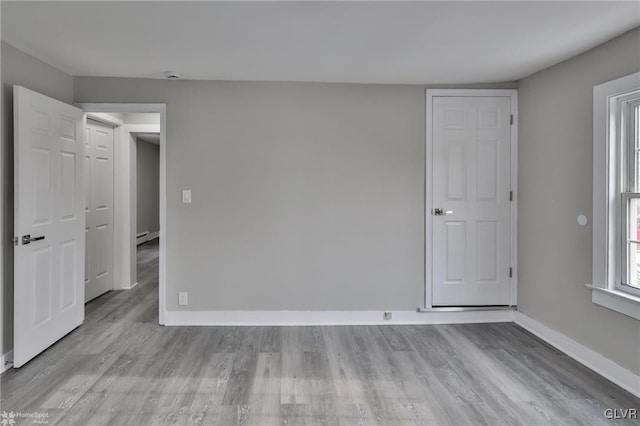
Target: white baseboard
148 237
584 355
301 318
6 361
125 287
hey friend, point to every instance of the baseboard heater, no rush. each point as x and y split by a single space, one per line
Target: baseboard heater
141 238
145 236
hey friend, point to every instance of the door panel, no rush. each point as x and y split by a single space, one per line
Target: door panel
487 251
69 255
41 284
49 260
99 208
487 169
471 184
41 160
455 242
456 180
68 197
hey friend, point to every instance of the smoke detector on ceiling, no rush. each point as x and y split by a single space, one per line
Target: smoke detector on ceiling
173 75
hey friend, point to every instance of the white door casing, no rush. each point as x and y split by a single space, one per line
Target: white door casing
125 229
98 185
49 207
471 240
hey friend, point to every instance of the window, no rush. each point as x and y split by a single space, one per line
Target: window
630 196
616 195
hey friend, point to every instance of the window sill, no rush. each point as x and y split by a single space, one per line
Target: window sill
618 301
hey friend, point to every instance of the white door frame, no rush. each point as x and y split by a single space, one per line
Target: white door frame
128 208
428 270
124 134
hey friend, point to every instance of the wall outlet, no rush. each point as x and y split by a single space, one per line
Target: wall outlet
186 196
387 315
183 298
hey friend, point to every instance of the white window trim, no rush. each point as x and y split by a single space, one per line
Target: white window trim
606 216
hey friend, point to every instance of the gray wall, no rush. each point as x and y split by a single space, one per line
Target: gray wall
555 178
305 196
141 118
147 186
24 70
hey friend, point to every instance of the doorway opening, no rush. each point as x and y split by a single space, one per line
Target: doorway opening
470 198
139 200
51 215
147 177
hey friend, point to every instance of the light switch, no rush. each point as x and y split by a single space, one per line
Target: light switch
186 196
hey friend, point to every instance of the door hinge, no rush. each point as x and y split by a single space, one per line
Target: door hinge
510 195
15 241
510 272
511 120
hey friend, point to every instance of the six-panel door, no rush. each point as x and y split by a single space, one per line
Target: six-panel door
49 222
471 184
98 209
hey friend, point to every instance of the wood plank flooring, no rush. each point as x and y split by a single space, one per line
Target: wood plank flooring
121 368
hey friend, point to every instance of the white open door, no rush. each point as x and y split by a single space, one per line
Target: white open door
98 185
49 222
471 204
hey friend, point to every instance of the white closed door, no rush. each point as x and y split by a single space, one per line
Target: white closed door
48 223
98 209
471 165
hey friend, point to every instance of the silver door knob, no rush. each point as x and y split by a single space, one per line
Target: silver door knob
27 239
441 212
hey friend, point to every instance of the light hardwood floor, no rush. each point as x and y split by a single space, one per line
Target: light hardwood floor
121 368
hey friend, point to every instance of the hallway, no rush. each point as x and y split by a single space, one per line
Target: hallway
140 304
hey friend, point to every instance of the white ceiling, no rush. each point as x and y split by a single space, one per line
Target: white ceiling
361 42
